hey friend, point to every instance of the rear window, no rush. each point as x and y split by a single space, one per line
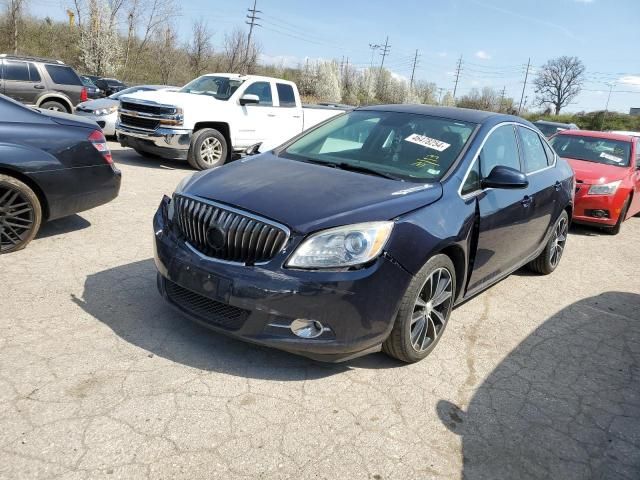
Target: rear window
16 71
63 75
407 146
286 95
593 149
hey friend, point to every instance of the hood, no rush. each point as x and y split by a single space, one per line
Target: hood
177 99
69 119
98 104
308 197
594 173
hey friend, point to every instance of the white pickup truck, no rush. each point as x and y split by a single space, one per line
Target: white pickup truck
215 115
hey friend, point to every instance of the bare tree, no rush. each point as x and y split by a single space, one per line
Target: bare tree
15 10
559 82
167 55
237 56
200 49
154 16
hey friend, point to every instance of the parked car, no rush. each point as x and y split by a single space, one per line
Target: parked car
47 84
365 231
105 110
51 165
607 168
549 129
93 92
110 85
215 115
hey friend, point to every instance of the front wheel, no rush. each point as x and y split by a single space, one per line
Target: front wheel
208 149
550 257
615 230
424 311
20 214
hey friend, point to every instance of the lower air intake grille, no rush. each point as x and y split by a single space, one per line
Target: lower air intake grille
206 310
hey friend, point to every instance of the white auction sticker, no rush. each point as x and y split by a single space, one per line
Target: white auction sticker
613 158
427 142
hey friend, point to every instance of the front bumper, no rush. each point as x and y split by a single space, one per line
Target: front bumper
106 122
167 143
588 206
357 308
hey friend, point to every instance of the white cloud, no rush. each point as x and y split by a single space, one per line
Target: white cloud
482 55
632 80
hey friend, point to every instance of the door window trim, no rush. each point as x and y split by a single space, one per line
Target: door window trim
5 62
543 140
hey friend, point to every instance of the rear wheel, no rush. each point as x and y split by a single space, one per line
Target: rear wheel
208 149
20 214
550 257
424 311
615 230
54 106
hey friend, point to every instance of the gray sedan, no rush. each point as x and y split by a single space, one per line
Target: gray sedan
104 111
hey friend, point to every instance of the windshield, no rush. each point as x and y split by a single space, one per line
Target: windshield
593 149
129 91
549 130
400 145
219 87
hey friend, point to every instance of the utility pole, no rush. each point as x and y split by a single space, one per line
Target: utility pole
413 70
606 108
526 77
458 71
504 88
440 92
373 47
252 18
385 51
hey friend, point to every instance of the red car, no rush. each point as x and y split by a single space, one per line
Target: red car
607 169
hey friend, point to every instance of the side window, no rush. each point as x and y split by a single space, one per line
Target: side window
638 153
16 71
472 183
551 155
499 149
286 95
262 90
63 75
535 157
33 73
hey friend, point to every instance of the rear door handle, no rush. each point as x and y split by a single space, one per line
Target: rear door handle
557 186
527 201
39 87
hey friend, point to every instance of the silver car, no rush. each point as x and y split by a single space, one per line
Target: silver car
104 111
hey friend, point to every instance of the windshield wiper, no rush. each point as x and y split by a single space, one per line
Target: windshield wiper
358 168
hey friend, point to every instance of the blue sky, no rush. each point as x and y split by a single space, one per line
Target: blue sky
494 37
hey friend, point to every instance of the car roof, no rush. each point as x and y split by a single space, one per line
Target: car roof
452 113
594 134
554 124
241 76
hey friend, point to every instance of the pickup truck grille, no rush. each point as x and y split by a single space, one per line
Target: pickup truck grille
221 232
139 122
144 108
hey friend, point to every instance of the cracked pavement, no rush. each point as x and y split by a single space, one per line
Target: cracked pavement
539 377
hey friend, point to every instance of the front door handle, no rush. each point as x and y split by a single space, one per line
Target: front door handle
39 87
527 201
557 186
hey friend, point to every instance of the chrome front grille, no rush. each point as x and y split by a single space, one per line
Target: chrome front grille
224 233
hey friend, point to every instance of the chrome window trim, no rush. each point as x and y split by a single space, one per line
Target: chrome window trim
243 213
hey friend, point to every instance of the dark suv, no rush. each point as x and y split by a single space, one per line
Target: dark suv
47 84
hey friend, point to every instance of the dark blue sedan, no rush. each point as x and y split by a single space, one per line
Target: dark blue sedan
365 232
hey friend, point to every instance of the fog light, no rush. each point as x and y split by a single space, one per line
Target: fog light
304 328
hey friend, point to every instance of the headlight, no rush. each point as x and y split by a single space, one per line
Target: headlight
343 246
105 111
604 189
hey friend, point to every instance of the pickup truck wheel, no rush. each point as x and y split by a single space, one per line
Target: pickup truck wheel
208 149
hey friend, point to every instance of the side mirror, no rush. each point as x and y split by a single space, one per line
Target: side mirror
505 177
249 99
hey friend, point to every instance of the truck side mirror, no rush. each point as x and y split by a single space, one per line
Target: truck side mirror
249 99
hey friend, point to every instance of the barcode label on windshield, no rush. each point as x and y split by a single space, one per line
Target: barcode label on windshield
612 158
427 142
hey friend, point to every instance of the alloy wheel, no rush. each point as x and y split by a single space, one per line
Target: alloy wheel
16 218
56 109
558 242
431 309
211 151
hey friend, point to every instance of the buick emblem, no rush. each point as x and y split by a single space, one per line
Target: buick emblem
216 238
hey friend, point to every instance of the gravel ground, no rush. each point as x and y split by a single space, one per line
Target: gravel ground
537 378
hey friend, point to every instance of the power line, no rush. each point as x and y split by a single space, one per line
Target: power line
458 71
526 76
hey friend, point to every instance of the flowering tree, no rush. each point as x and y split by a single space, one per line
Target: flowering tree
99 41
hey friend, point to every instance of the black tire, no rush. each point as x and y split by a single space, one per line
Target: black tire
20 214
198 158
547 261
55 106
400 343
148 155
615 230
